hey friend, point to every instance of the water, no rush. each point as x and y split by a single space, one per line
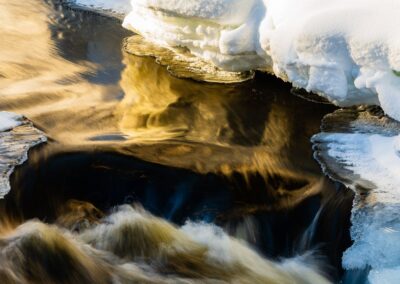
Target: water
122 130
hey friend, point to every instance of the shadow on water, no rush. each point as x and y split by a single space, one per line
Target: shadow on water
124 131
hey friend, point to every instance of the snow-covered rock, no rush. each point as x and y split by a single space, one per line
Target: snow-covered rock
360 149
17 136
346 51
223 32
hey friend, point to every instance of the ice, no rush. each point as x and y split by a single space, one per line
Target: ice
17 136
360 148
117 7
222 32
182 64
9 120
385 276
346 51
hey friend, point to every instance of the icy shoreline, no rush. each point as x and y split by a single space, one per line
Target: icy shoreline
326 47
360 149
17 136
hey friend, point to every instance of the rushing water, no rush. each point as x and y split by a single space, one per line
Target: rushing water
122 130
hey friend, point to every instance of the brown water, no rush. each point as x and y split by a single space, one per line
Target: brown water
123 130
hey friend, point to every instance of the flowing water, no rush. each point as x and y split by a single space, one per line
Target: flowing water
222 177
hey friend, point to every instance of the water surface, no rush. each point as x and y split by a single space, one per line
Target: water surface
123 130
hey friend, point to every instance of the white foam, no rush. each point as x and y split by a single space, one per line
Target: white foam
133 234
346 51
132 246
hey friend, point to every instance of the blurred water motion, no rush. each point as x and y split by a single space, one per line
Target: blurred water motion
59 68
132 246
123 130
250 126
71 88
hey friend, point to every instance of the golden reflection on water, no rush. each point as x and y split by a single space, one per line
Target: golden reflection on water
37 81
212 128
68 75
255 128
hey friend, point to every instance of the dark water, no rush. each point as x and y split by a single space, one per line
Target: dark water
122 130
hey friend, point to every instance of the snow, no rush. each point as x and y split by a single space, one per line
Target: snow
222 32
121 7
376 229
346 51
373 156
17 136
385 276
9 120
365 157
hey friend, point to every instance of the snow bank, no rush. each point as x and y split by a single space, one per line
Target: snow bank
346 51
362 152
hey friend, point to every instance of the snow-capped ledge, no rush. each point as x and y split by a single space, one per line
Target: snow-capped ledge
346 51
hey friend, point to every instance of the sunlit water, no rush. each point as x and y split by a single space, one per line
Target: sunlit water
122 130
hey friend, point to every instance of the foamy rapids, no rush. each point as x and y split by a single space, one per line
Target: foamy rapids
131 246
